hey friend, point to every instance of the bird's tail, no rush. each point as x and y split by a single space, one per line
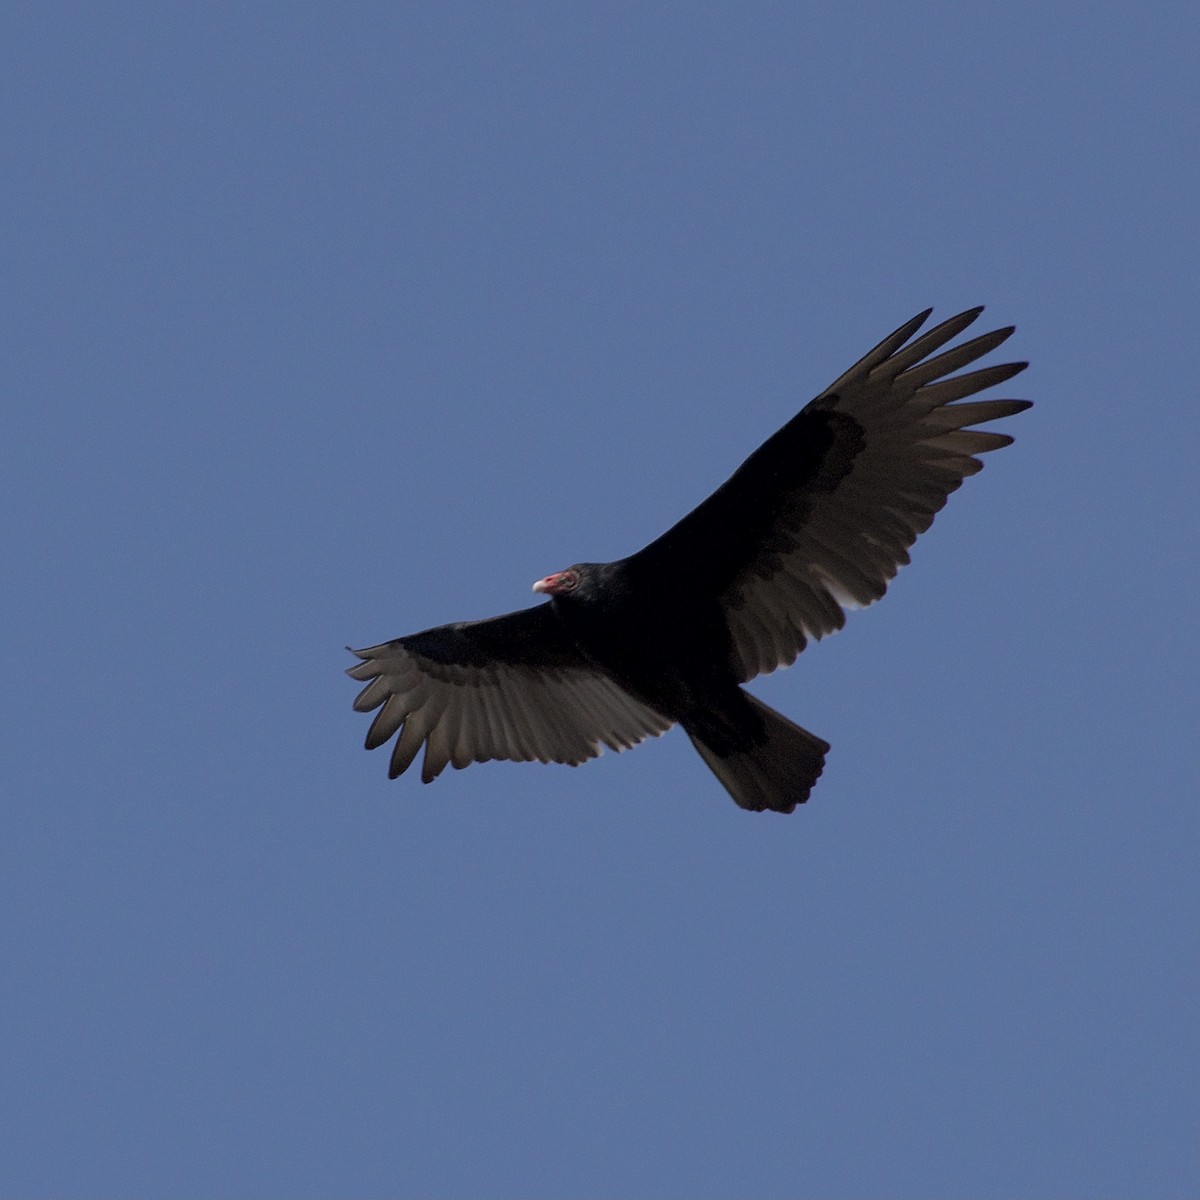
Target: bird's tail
777 771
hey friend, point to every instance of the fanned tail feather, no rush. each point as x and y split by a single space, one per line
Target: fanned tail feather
776 773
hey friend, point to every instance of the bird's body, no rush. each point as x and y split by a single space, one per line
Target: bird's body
816 520
646 637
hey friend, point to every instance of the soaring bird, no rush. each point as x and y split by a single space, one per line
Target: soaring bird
816 521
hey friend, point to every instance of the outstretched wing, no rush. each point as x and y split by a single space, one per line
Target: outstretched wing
513 687
820 518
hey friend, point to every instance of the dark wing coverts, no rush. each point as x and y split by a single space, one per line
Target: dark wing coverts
820 518
513 687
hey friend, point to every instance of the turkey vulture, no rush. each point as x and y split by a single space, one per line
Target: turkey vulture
817 520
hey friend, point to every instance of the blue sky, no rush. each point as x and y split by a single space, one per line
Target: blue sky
326 324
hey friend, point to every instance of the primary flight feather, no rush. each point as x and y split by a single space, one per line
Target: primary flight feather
817 520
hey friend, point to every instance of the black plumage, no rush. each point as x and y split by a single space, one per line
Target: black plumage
817 520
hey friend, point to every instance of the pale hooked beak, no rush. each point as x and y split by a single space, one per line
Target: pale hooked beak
552 585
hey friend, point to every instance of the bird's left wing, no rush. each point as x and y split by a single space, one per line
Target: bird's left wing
513 687
820 517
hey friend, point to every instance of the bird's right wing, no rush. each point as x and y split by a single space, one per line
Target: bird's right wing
513 687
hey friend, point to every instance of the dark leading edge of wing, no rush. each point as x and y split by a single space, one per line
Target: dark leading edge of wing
820 518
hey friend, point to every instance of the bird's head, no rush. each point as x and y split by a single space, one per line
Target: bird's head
561 583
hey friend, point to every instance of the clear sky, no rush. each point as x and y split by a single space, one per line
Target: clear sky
324 324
